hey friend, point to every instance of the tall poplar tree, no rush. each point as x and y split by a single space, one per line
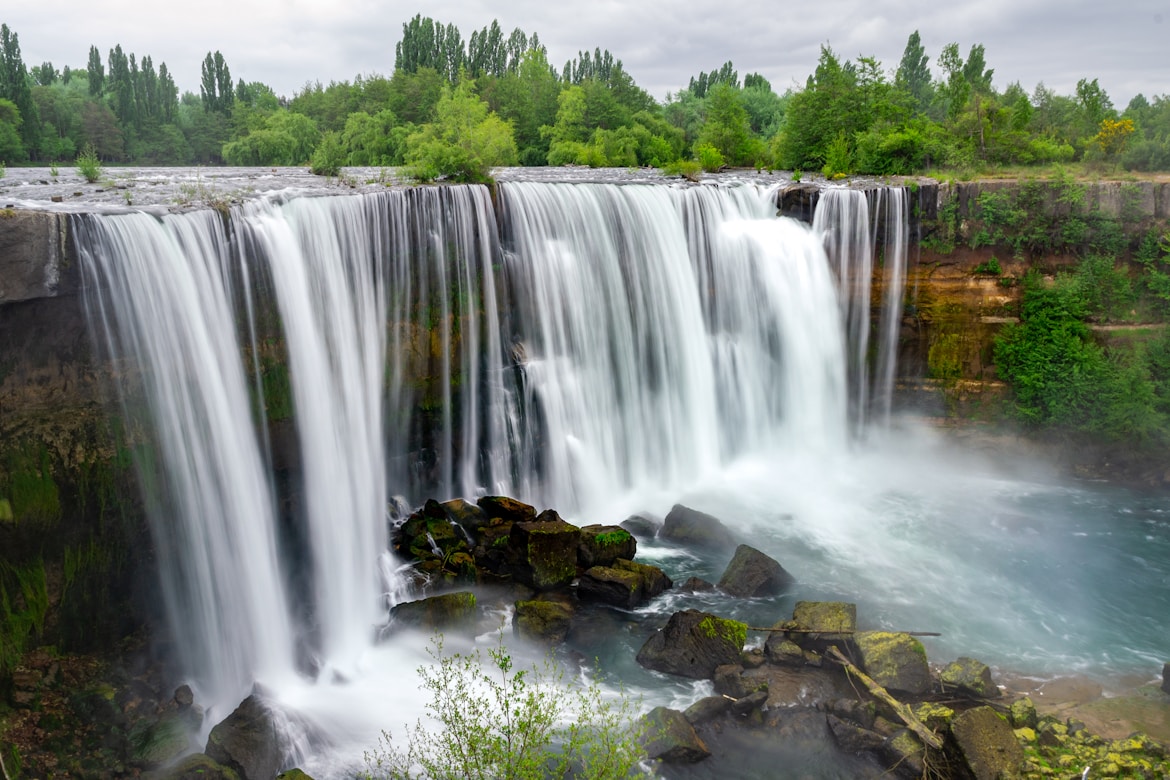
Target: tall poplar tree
14 86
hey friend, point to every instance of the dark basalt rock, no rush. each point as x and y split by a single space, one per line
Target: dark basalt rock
669 737
437 613
642 526
693 644
246 741
601 545
507 509
706 709
618 587
752 574
691 527
547 622
969 677
987 744
545 551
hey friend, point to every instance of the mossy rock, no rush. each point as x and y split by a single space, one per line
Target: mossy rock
542 621
904 751
987 744
601 545
654 579
894 660
611 586
970 678
816 625
545 551
693 644
437 613
198 766
158 742
669 737
506 509
1022 714
294 774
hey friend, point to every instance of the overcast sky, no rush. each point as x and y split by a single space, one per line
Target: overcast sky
286 43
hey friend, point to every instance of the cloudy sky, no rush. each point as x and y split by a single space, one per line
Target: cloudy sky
286 43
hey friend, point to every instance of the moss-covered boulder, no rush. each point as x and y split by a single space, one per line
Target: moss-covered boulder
508 510
545 551
969 677
987 744
294 774
1022 714
654 580
448 611
905 754
752 574
669 737
601 545
198 766
158 741
894 660
247 741
466 514
692 528
693 644
546 622
618 587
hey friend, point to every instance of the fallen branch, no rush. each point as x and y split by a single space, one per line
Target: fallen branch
4 769
904 713
823 631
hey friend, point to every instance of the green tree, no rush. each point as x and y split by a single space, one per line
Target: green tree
465 142
11 145
373 140
913 74
415 95
215 86
96 73
15 85
728 127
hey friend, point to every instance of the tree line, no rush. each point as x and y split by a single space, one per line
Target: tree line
456 107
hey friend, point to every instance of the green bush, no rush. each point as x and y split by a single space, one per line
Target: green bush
88 164
465 142
709 157
492 721
328 157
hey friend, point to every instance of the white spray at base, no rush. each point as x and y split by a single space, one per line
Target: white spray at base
608 340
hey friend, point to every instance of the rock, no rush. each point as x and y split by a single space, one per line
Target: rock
1166 677
783 651
905 754
693 644
198 766
668 736
601 545
654 580
969 677
507 509
852 738
1022 714
894 660
936 717
706 709
547 622
437 613
293 774
690 527
246 741
820 624
545 550
466 514
987 744
696 585
184 696
752 574
621 588
750 703
729 681
641 526
155 742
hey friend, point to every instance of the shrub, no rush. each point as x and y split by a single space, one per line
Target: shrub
491 720
710 159
328 157
88 164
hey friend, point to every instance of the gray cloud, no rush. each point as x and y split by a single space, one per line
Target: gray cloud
287 43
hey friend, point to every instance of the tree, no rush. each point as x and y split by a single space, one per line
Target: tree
96 73
465 142
728 128
15 86
913 75
11 145
215 86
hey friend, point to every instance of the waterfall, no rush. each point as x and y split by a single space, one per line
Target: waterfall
569 343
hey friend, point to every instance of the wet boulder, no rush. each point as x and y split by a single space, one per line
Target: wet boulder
601 545
969 677
466 514
508 510
437 613
642 526
987 744
752 574
545 551
852 737
247 742
546 622
696 529
669 737
895 660
1023 715
618 587
693 644
654 580
707 709
198 766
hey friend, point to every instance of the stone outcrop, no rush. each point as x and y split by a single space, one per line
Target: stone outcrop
693 644
894 660
692 527
446 612
752 574
669 737
601 545
545 550
969 677
987 744
247 742
543 621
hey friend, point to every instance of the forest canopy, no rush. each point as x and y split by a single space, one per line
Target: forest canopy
930 111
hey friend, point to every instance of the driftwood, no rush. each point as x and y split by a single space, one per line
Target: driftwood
904 713
4 769
826 631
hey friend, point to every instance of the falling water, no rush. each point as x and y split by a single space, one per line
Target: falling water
586 340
